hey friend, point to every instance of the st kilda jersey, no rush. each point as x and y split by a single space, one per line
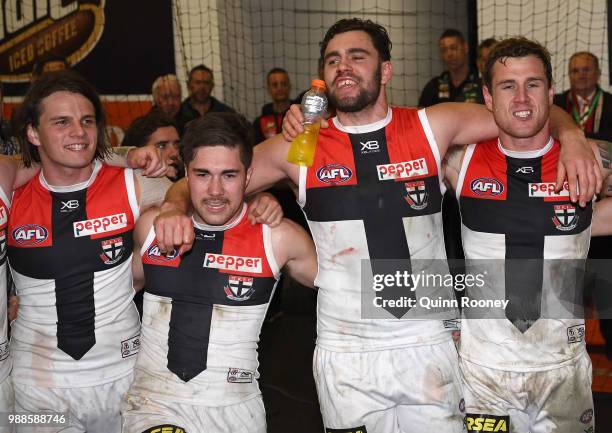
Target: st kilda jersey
374 192
70 252
529 243
5 364
202 315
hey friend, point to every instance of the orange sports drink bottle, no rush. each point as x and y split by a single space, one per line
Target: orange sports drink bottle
314 105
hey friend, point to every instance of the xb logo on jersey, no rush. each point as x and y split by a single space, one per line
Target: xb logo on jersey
416 195
112 251
369 146
239 288
565 218
69 206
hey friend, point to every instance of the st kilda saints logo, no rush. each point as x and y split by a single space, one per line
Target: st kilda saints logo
239 288
416 194
112 251
565 218
35 29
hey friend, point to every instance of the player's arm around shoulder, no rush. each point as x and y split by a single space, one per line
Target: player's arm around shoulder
14 174
295 252
140 234
270 164
456 123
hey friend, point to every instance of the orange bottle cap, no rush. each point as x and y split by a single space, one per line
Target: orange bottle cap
318 83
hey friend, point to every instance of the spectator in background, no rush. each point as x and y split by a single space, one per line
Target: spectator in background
8 143
166 92
482 53
457 83
271 120
590 106
158 131
48 64
200 84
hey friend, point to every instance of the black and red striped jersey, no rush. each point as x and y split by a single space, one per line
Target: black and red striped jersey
530 242
70 254
202 315
374 192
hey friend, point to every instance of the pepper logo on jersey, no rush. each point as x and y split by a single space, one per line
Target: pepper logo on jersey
30 234
100 225
334 173
486 187
233 263
487 423
112 251
154 253
239 288
416 195
547 189
565 218
402 170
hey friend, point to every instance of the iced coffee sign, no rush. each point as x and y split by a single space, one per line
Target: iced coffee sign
34 29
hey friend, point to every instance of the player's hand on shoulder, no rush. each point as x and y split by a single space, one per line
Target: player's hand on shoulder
265 209
581 167
173 229
149 160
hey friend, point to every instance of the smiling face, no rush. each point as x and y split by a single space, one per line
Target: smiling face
66 136
353 71
520 99
217 180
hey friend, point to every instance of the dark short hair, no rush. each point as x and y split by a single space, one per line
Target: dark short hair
200 68
452 33
276 71
39 65
516 48
378 34
141 129
487 43
28 113
587 54
219 129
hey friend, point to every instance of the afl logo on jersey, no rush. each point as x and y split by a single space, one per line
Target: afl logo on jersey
30 234
154 253
486 187
334 173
